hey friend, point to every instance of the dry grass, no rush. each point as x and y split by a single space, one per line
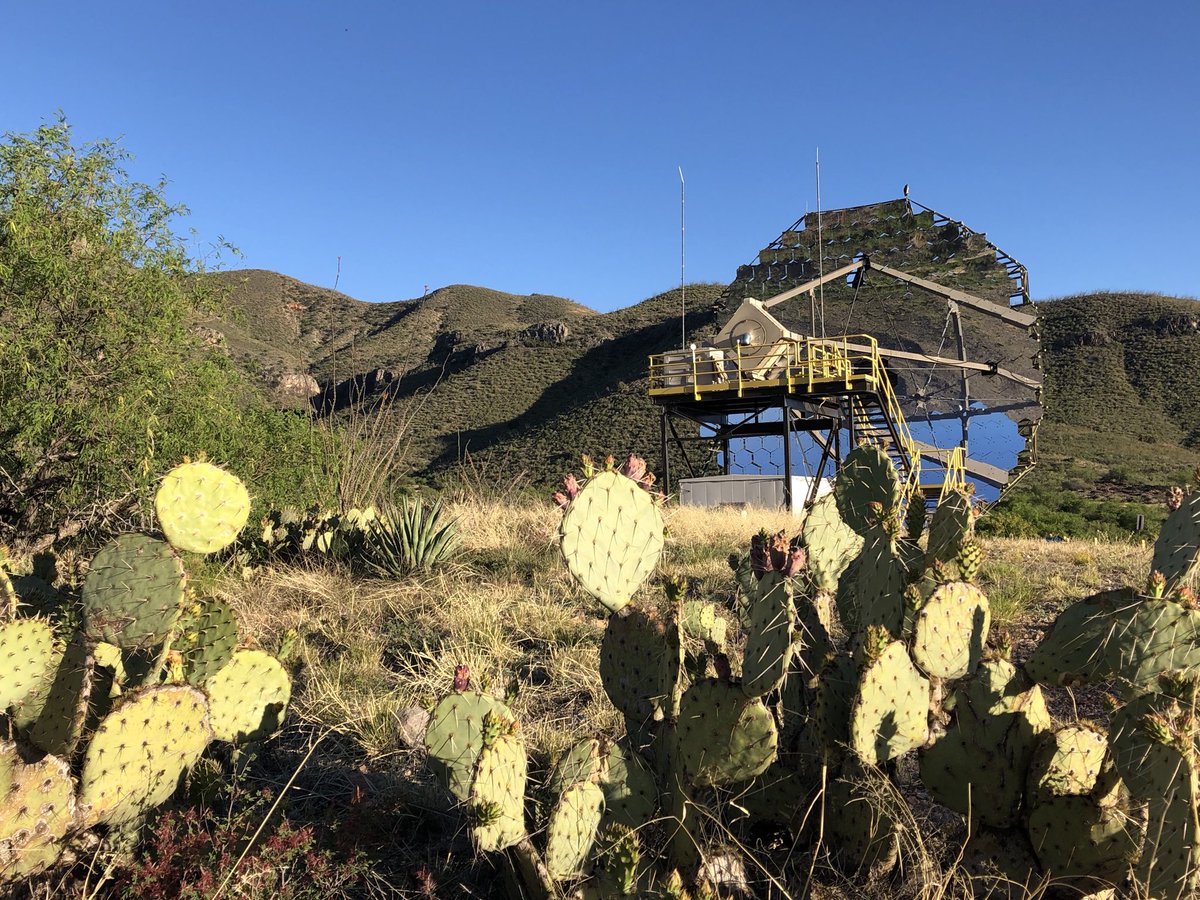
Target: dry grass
374 654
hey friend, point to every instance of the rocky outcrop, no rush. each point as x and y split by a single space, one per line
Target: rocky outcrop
547 333
299 385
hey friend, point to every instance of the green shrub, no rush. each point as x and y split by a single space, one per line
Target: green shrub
102 379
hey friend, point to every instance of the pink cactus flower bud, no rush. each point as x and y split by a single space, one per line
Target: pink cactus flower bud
570 485
634 467
462 676
561 500
1174 498
796 561
610 462
778 549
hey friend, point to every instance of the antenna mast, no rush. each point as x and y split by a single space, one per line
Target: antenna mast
682 264
820 246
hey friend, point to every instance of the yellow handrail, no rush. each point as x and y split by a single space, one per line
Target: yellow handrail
956 473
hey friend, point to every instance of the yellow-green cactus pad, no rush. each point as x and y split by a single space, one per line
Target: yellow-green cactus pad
951 629
139 750
890 714
27 653
201 507
459 727
496 802
611 538
248 697
574 825
724 736
830 542
37 807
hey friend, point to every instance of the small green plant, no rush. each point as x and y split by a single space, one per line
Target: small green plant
412 537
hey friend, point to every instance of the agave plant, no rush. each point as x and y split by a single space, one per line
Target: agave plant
410 538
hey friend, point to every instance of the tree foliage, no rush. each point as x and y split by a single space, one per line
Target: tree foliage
103 384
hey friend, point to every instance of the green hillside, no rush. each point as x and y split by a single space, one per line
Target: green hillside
530 382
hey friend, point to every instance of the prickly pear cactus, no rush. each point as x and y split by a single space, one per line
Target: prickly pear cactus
201 507
207 636
573 829
830 542
769 636
59 723
37 807
950 631
455 736
890 711
699 619
880 582
137 753
248 697
1152 636
952 525
978 765
723 736
612 537
641 668
496 799
860 828
867 477
1075 648
1177 550
27 653
133 592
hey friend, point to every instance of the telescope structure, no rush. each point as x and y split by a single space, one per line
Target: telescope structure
888 323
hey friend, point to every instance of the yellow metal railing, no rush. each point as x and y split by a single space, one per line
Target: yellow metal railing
956 472
806 363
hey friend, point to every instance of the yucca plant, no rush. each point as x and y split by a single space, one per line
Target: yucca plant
410 538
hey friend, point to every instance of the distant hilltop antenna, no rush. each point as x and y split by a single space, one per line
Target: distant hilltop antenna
338 276
682 264
820 252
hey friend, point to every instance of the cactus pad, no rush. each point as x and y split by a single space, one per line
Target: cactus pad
880 582
1177 550
583 761
890 713
498 785
860 829
1074 649
701 621
201 507
1150 637
950 631
611 538
769 639
207 635
27 654
1169 866
57 727
641 668
37 807
724 736
867 476
573 828
952 525
248 697
830 542
1082 843
133 591
836 688
454 737
979 765
630 791
139 750
1067 763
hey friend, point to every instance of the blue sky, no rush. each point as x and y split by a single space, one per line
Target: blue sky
532 147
